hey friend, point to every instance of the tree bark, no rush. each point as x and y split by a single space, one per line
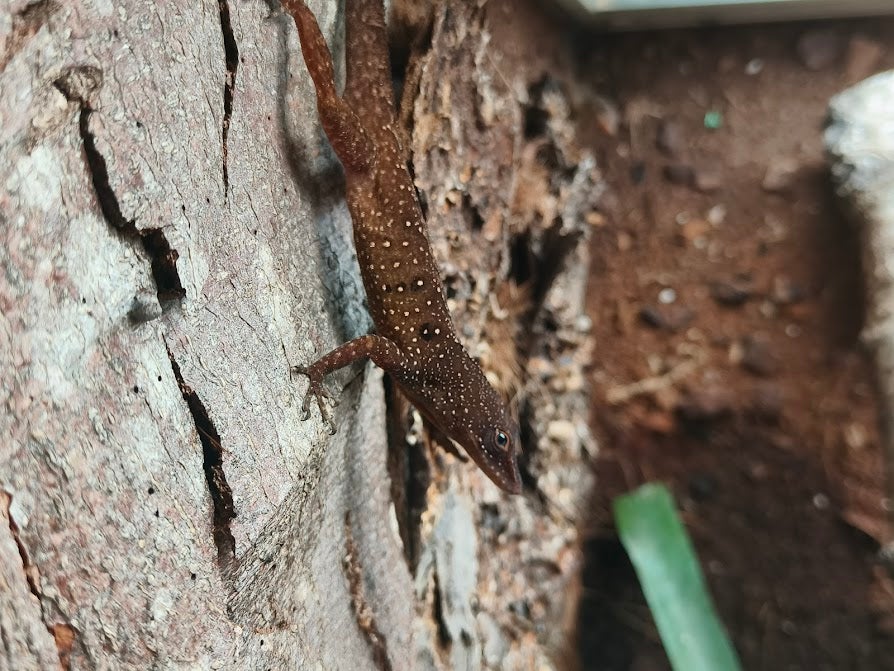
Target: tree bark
174 239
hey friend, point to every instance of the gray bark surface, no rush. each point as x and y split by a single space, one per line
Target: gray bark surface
174 238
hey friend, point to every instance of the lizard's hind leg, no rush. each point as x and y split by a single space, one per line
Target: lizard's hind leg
345 132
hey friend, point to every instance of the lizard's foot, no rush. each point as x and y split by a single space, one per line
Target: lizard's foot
317 391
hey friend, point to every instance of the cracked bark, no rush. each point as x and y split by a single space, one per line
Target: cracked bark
231 57
363 610
223 510
174 239
79 85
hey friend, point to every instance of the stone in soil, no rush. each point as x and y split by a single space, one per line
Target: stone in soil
694 229
670 138
666 317
679 173
785 291
758 357
819 49
707 179
705 403
780 175
766 401
733 293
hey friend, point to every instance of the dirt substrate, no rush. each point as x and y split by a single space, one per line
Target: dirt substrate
726 300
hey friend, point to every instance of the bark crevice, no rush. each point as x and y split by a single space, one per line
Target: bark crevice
363 612
28 568
231 58
79 85
222 507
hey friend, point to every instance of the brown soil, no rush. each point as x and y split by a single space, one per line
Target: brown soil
742 306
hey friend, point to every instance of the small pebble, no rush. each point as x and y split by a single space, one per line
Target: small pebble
666 317
670 138
769 309
785 292
679 173
706 403
818 49
717 215
855 436
694 229
707 179
733 293
820 501
754 67
595 219
758 357
767 401
667 296
658 421
780 175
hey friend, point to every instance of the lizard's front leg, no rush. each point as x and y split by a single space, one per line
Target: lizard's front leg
383 352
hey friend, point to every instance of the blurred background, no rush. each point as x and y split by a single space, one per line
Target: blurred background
729 275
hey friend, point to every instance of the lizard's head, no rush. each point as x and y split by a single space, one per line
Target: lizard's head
466 409
497 454
493 442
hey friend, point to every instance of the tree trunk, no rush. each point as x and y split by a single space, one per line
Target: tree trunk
174 239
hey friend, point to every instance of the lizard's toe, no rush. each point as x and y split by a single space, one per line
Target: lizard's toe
316 391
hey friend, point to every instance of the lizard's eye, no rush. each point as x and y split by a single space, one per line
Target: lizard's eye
501 439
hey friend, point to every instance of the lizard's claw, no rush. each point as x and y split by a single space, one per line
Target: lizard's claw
317 391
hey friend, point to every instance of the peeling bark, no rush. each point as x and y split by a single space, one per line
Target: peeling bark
500 171
174 240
